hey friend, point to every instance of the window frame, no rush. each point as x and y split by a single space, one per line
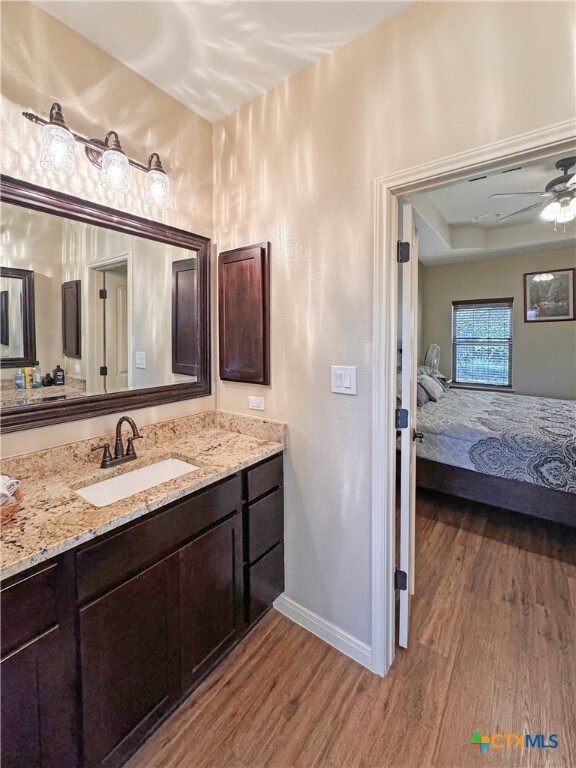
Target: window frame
504 301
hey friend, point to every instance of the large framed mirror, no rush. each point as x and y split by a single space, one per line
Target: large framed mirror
104 305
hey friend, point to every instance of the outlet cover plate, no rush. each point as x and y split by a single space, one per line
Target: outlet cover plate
256 403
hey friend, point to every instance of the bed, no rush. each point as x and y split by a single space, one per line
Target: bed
511 451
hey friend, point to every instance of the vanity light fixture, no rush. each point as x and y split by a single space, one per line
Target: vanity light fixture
57 155
115 174
57 145
157 183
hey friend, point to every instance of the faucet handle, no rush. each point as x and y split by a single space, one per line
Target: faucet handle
130 447
106 457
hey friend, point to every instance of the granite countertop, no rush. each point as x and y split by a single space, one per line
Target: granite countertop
54 519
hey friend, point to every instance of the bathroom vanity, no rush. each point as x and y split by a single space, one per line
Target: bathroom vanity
107 627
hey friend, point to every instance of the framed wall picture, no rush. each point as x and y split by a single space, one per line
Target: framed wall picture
549 296
244 314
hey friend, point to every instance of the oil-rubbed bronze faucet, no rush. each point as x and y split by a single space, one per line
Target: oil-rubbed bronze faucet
119 455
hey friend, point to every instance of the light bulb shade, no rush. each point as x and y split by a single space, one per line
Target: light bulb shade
573 204
551 211
157 189
57 150
115 174
566 214
543 277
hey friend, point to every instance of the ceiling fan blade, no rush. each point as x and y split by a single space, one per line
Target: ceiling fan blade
522 210
516 194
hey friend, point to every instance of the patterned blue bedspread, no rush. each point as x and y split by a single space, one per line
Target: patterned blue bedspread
514 436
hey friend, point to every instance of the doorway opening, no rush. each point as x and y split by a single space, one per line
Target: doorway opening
390 192
109 312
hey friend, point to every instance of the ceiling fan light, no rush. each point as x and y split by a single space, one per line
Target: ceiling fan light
573 203
551 211
566 214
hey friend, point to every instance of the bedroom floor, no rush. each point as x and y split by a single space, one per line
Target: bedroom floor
493 649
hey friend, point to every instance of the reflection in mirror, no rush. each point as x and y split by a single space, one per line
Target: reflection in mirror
111 291
17 327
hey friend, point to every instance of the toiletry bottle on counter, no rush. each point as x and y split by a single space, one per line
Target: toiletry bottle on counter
28 378
36 377
58 374
19 379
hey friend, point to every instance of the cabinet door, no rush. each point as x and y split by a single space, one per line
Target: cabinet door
37 707
129 658
38 669
211 590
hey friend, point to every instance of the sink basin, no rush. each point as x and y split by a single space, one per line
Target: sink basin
120 487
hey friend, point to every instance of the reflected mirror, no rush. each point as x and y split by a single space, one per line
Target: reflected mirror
101 307
17 326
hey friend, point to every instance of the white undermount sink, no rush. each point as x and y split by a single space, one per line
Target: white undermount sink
120 487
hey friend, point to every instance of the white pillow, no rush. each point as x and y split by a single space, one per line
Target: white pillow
433 388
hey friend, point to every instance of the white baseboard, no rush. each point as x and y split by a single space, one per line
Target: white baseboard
325 630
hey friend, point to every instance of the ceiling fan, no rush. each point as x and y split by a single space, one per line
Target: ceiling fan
559 197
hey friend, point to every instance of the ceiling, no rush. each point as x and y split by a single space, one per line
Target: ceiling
216 56
445 216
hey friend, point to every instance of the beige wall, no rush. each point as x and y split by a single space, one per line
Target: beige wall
296 167
43 61
544 354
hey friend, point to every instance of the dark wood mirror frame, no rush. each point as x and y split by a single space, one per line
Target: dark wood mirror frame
28 195
28 322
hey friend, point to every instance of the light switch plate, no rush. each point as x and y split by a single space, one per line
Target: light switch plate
140 359
256 403
343 379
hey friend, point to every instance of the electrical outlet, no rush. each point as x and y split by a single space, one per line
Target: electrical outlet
256 403
140 359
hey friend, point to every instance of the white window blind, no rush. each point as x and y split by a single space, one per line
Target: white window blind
482 342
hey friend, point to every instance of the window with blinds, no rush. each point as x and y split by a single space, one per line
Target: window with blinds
482 342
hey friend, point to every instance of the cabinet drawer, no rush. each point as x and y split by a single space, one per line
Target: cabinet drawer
103 564
29 607
265 524
266 580
265 477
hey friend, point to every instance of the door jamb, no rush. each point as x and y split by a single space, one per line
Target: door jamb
387 189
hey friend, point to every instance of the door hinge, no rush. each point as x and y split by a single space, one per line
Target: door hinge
103 293
400 579
401 418
403 252
103 370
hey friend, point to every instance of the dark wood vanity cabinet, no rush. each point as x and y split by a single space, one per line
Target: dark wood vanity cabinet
129 662
211 592
100 644
38 669
264 536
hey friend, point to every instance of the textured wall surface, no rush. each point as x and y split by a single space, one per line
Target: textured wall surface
544 354
43 61
296 167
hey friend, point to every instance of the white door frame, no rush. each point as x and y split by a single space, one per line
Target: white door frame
387 189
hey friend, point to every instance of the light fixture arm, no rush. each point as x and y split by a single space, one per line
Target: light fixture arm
93 144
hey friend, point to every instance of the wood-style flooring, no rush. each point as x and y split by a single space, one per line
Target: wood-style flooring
493 649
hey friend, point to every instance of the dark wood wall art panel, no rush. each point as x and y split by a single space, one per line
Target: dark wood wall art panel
185 319
71 322
244 314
